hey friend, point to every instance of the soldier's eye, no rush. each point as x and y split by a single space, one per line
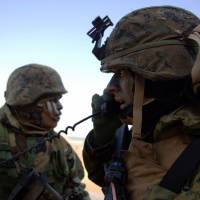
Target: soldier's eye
122 73
56 99
118 74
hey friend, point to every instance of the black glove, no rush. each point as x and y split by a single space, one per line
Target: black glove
108 121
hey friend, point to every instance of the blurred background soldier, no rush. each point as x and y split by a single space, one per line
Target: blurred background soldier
52 170
153 55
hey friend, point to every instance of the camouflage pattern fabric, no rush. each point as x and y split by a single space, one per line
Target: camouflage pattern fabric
56 159
27 83
158 192
151 42
192 193
189 117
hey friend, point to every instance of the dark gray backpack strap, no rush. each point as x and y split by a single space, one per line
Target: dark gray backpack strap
183 168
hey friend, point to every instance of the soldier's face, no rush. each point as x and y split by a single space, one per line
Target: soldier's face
121 88
51 111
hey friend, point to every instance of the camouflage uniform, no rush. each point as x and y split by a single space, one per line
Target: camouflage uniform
54 159
152 43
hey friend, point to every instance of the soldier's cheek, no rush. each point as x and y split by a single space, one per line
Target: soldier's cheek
48 121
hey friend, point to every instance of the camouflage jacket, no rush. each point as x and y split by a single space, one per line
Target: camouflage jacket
148 163
56 159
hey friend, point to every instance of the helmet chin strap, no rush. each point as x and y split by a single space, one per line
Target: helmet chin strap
195 74
138 101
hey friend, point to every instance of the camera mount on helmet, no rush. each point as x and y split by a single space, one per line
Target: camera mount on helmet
96 33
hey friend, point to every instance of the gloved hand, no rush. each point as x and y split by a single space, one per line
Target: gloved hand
106 123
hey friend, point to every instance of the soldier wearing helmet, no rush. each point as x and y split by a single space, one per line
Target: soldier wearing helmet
29 116
153 53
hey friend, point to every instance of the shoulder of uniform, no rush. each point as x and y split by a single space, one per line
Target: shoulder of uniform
3 133
4 139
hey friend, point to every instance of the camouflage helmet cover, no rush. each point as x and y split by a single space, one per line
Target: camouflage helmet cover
150 42
29 82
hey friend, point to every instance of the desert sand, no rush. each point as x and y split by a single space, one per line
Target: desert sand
94 191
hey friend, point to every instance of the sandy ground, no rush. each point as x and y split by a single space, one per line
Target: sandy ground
94 191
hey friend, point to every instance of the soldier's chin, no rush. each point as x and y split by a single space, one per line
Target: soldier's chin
51 124
54 123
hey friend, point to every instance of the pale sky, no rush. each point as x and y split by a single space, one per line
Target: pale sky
53 32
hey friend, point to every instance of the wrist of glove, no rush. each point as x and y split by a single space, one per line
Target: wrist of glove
106 123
